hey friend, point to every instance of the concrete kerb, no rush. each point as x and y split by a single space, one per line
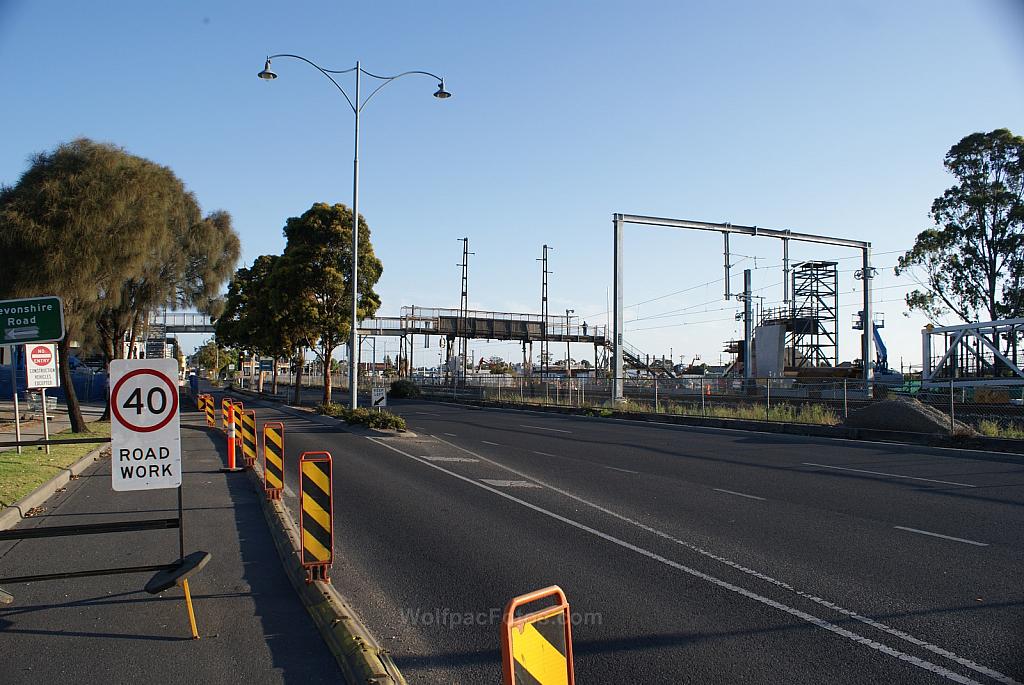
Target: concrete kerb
15 513
358 654
361 659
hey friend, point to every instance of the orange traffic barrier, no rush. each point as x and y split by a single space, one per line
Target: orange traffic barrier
273 459
537 646
316 514
229 428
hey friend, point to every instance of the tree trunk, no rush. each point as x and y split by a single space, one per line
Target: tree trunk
327 374
74 409
297 388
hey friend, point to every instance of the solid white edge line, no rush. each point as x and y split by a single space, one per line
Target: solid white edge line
890 475
940 535
895 632
740 494
809 618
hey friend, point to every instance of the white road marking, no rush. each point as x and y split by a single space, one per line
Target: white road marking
451 435
739 494
425 413
940 535
814 620
542 428
509 483
544 454
488 442
895 632
890 475
615 468
462 460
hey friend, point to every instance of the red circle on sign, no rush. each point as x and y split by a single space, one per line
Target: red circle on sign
116 411
41 355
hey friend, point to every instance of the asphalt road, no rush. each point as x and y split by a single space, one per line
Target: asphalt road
688 555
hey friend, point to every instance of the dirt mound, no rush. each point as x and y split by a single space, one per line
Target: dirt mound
905 414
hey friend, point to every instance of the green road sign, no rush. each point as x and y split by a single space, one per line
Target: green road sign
32 320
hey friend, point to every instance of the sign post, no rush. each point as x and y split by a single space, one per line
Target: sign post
41 372
13 357
145 433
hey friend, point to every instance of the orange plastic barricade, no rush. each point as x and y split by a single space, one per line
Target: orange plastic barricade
537 646
248 426
316 514
225 402
211 421
273 459
229 409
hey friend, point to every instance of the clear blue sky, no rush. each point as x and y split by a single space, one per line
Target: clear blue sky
827 117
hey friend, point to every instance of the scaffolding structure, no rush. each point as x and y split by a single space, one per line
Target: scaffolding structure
811 323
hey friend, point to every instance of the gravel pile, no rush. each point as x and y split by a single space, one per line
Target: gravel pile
905 414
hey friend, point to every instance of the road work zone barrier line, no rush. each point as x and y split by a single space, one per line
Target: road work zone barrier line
211 421
249 437
316 514
358 654
273 459
536 647
229 408
225 404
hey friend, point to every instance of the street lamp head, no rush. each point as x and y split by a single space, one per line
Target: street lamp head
267 74
441 93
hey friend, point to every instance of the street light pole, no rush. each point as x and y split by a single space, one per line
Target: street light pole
568 363
357 107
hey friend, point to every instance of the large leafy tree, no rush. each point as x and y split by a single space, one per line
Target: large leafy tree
315 276
110 233
973 258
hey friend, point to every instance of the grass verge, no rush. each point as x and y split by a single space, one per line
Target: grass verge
22 473
364 417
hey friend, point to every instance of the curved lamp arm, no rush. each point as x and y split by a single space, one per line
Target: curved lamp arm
358 106
325 72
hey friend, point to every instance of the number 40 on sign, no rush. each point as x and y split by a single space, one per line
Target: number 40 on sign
145 434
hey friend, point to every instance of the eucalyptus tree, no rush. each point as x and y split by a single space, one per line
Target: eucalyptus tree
315 276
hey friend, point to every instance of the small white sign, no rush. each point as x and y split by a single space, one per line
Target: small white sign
379 395
145 432
41 365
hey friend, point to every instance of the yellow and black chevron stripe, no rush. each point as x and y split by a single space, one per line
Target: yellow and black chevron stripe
208 408
249 435
316 523
539 653
273 456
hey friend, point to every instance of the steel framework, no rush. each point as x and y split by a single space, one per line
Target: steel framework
984 353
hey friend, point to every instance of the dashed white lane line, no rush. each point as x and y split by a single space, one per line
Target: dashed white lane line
940 535
867 620
739 494
425 413
488 442
509 483
890 475
459 460
798 613
542 428
615 468
451 435
544 454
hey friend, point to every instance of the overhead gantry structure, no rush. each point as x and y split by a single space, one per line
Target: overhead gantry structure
619 222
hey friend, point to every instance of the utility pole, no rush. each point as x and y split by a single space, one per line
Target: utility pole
748 358
464 305
544 351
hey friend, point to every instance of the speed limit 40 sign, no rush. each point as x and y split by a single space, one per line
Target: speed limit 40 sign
145 435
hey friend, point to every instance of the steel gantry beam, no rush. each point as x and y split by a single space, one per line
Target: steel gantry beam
619 222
